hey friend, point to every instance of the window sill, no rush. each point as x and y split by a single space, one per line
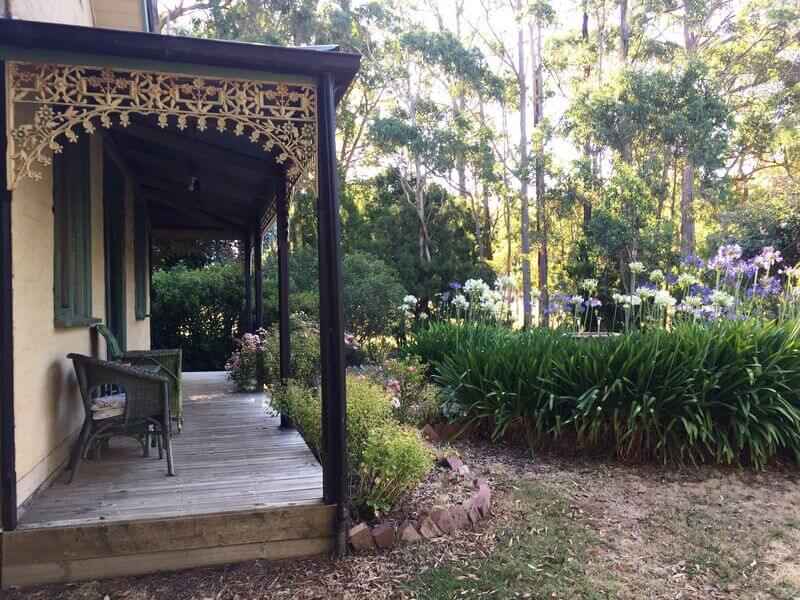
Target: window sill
77 322
142 317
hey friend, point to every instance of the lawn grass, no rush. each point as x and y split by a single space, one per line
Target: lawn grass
544 554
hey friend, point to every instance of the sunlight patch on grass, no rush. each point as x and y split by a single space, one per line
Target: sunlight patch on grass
546 554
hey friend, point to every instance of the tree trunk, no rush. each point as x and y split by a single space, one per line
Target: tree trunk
624 32
486 229
523 169
687 207
541 209
587 148
424 247
664 189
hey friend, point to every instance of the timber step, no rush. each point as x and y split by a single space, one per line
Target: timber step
118 548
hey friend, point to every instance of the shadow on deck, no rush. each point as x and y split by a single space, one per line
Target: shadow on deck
244 489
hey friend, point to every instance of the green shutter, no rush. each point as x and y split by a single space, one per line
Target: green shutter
141 259
72 211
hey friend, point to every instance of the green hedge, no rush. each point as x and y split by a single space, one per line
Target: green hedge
726 392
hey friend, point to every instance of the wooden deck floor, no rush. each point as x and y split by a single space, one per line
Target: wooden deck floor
231 456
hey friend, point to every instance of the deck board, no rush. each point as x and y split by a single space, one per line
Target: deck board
231 456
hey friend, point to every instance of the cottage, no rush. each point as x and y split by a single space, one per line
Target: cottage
114 137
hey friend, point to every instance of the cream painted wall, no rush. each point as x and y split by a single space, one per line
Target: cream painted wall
138 330
71 12
47 407
119 14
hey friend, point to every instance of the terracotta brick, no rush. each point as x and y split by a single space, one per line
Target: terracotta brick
429 433
454 463
428 528
444 520
384 536
408 534
459 516
361 538
482 500
472 512
441 430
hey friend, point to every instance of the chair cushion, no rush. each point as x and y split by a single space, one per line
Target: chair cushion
107 407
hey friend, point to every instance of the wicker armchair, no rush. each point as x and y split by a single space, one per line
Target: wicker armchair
120 400
165 362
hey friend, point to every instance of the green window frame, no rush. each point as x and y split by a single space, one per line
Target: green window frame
141 258
72 210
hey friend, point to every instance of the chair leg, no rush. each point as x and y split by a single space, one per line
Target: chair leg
80 449
159 441
168 448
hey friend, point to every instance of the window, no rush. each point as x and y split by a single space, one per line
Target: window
141 257
73 236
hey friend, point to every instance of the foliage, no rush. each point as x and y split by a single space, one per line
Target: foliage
385 458
255 364
371 290
199 311
727 392
413 399
394 461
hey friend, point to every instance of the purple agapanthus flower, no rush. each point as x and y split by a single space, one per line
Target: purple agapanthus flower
455 285
693 261
698 289
445 295
726 256
670 278
592 302
766 286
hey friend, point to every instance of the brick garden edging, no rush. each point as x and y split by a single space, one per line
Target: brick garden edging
428 526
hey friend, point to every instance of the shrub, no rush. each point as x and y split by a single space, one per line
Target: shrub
371 291
199 311
256 361
246 365
394 461
385 459
728 392
413 399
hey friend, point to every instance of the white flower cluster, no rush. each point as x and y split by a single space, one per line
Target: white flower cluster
504 283
590 285
636 267
479 294
626 301
409 303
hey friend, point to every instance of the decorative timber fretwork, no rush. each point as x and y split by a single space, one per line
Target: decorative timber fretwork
69 100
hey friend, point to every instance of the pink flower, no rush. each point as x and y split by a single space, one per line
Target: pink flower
361 378
413 408
411 369
386 363
394 402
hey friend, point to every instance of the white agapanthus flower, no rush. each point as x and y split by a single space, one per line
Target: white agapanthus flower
656 276
686 280
664 298
460 302
645 292
636 267
693 301
590 285
618 298
475 287
633 300
410 301
722 299
504 282
576 299
423 316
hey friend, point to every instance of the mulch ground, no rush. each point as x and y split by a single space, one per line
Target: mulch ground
662 532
